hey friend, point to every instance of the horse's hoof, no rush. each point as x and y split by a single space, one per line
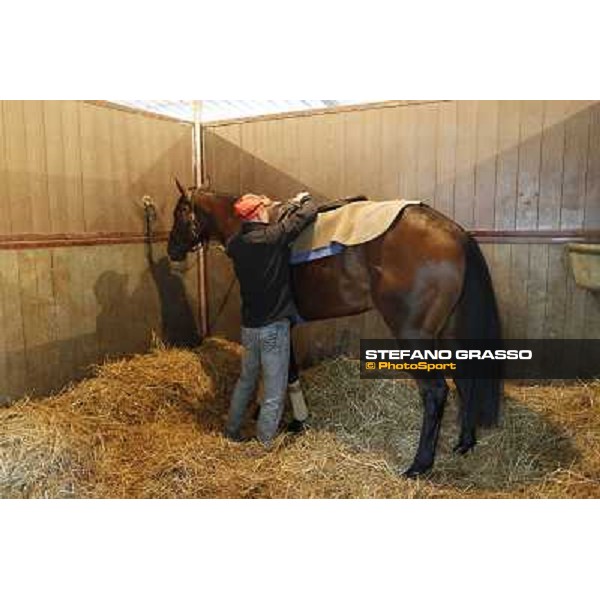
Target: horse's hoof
416 471
463 448
296 426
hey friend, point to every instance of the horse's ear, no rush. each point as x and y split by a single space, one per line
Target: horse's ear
180 187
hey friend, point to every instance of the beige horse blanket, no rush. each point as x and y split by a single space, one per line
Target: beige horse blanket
350 225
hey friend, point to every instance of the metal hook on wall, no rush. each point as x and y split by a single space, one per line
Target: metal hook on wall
150 216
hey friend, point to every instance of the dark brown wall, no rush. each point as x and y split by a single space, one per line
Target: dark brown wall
491 165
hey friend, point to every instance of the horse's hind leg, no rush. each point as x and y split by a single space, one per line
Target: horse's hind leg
434 392
299 408
467 439
417 272
419 317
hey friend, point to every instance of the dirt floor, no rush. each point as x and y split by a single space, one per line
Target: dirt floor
150 427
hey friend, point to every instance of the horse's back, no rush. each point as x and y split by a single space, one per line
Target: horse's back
420 243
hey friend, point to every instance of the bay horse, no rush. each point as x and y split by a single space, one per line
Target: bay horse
425 275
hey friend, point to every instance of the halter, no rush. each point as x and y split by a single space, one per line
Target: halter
209 221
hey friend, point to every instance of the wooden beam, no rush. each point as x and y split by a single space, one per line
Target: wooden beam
35 241
321 111
137 111
198 162
490 236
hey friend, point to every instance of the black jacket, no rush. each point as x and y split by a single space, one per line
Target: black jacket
261 255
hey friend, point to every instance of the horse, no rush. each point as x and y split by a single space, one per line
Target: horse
425 275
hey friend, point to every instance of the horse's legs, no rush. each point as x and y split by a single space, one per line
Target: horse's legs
299 408
434 392
293 371
420 316
417 272
467 438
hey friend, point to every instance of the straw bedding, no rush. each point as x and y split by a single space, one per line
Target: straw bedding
150 427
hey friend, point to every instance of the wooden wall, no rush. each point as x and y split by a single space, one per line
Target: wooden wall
64 309
73 167
76 280
509 166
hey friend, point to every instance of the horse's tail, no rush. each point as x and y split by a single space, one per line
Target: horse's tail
478 318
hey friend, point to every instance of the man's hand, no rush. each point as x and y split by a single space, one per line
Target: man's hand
301 198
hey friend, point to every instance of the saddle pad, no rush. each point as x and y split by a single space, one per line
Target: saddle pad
350 225
298 258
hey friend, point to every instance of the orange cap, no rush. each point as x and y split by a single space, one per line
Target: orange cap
247 206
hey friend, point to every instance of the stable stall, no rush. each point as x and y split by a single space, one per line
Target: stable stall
116 368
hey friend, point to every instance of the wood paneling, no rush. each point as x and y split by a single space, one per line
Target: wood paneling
73 173
5 222
446 158
486 164
37 173
354 152
408 142
12 342
56 167
507 165
224 316
75 281
390 154
427 118
227 170
577 142
466 156
123 203
95 156
20 207
63 309
521 166
592 189
74 167
306 160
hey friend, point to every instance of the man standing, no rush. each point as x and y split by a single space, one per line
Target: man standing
261 254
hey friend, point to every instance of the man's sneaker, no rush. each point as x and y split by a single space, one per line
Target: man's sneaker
295 426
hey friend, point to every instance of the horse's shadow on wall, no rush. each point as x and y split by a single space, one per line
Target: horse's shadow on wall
179 326
126 322
159 305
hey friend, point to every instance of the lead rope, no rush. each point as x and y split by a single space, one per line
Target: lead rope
226 297
150 217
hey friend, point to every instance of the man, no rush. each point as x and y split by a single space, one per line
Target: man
261 253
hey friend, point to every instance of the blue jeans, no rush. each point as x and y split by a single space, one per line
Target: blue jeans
267 347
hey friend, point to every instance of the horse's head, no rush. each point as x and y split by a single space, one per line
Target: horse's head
191 222
200 215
